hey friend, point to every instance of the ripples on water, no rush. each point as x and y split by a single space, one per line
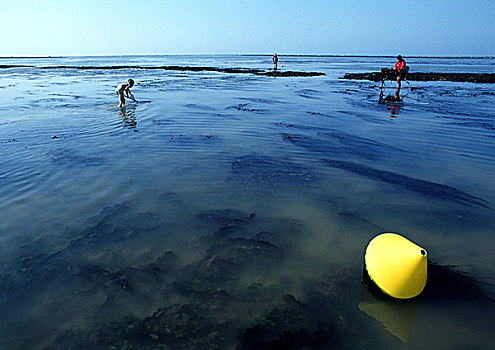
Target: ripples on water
237 208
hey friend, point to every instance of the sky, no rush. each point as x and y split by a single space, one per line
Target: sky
332 27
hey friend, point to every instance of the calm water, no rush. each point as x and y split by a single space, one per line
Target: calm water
226 210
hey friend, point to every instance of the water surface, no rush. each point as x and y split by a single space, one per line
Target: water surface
224 201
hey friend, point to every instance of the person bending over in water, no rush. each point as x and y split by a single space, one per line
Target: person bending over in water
400 67
125 88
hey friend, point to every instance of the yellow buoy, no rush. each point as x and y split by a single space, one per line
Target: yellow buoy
396 265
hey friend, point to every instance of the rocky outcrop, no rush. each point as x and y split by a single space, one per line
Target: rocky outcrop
271 73
458 77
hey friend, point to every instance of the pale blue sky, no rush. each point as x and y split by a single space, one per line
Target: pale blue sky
347 27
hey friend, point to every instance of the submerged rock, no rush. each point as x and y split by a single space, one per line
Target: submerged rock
337 143
239 252
289 325
227 223
225 217
416 185
181 327
258 168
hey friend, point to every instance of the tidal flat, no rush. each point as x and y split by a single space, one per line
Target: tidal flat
232 211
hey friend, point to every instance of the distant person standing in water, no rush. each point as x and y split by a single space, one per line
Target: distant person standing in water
275 61
125 88
400 67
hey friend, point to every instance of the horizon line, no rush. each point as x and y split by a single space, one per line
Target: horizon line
247 54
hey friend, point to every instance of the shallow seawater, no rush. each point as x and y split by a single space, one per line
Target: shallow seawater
230 211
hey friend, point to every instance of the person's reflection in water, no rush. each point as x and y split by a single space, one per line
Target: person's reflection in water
394 111
393 101
128 115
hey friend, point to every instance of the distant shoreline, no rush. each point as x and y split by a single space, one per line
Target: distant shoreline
35 57
253 55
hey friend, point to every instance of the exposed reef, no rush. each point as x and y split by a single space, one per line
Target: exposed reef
457 77
270 73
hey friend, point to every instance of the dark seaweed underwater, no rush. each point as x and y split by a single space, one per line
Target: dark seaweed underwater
232 211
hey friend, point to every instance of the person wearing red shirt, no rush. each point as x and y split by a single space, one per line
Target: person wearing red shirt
400 67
